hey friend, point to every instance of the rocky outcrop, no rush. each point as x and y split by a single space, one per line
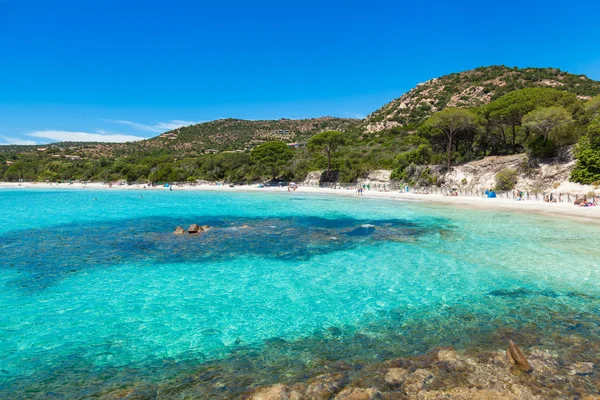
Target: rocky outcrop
179 231
194 228
515 356
376 179
447 374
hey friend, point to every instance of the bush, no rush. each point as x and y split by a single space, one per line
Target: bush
540 148
507 179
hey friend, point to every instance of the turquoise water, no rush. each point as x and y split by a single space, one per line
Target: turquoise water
98 294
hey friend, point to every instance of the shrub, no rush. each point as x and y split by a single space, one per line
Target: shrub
507 179
542 148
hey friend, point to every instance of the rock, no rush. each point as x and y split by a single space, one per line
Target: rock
582 368
194 228
416 381
325 386
515 356
205 227
179 231
244 226
447 355
466 394
277 392
359 394
395 376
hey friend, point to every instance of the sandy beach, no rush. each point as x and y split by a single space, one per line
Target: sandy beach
565 210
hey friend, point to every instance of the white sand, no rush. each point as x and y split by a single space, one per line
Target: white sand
568 210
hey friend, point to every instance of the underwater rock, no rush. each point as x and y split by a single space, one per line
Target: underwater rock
359 394
396 376
466 394
194 228
179 231
205 227
515 356
325 386
447 355
276 392
582 368
417 381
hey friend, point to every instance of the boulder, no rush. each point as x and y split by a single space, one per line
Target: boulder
417 381
179 231
395 376
516 357
582 368
276 392
359 394
325 386
205 227
194 228
447 355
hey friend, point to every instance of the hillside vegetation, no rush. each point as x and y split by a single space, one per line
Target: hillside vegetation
231 135
457 118
474 88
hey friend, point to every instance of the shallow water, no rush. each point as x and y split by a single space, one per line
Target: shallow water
98 294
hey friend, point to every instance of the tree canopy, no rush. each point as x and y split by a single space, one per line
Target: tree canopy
328 142
451 121
272 155
545 119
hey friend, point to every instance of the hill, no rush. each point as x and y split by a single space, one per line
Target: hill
231 135
473 88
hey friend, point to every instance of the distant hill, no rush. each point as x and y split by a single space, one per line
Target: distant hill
231 135
464 89
472 89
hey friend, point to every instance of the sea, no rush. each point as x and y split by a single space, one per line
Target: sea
98 295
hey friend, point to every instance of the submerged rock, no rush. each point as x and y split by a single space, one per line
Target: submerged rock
447 355
205 227
467 394
325 386
582 368
179 231
417 381
276 392
396 376
359 394
515 356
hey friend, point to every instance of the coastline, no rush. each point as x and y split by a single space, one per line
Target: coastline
554 210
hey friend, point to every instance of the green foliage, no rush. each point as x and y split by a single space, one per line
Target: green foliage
593 106
545 119
327 142
451 122
540 147
273 155
587 170
507 179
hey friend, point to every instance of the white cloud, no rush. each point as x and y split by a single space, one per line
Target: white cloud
159 127
68 136
10 140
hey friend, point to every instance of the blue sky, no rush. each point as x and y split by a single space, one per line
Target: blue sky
121 70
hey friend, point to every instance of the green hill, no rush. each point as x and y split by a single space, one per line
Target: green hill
473 88
231 135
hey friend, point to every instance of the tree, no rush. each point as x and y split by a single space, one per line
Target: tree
545 119
507 111
593 105
272 155
328 142
587 170
451 121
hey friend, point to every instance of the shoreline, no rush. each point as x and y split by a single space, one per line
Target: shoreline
555 210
